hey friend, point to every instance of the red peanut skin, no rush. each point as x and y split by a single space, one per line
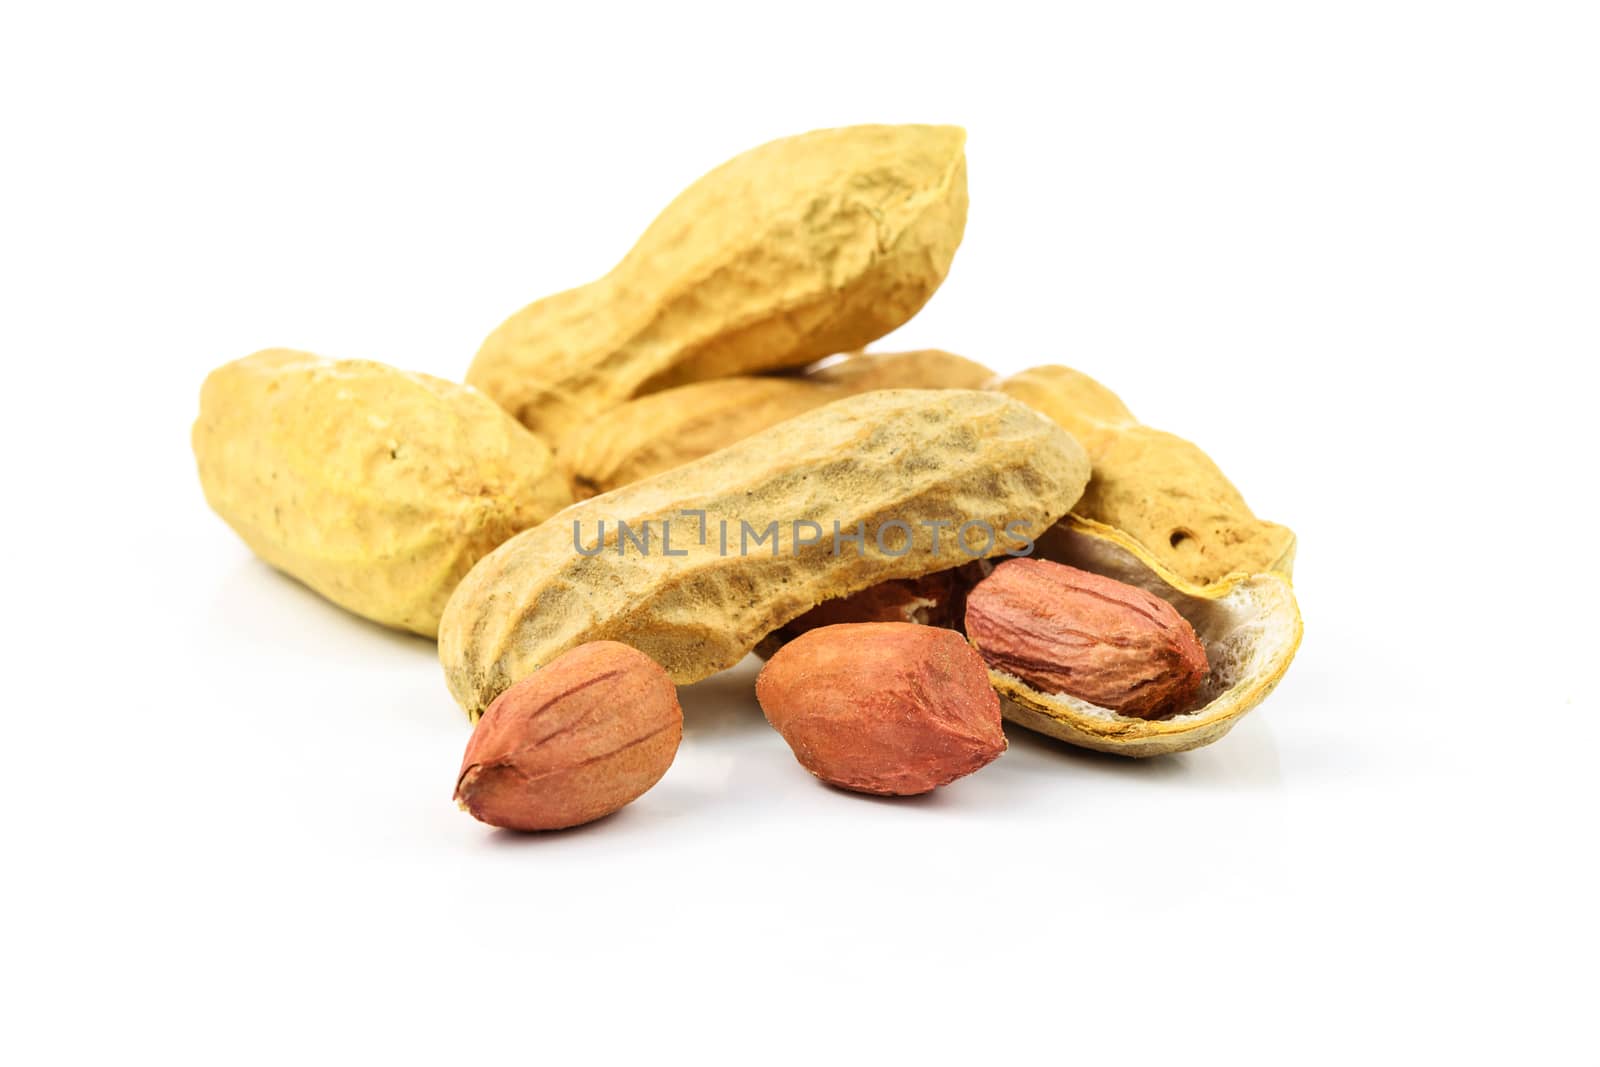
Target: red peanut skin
1065 630
574 741
889 708
937 599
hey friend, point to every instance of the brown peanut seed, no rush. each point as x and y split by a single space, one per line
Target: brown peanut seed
573 742
1065 630
891 708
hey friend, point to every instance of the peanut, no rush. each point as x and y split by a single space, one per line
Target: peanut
572 743
887 466
377 488
1248 626
938 599
674 426
796 250
654 433
1065 630
925 368
889 708
1158 488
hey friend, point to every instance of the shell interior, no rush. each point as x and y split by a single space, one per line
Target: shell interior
1249 625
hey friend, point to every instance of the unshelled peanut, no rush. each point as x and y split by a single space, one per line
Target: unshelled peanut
883 467
650 434
1160 489
377 488
796 250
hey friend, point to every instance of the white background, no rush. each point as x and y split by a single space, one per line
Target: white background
1349 248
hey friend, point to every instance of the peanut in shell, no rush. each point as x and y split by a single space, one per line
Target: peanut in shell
377 488
1248 625
1159 489
909 457
799 249
653 433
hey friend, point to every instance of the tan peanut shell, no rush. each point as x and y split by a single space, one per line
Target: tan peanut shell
655 433
377 488
1249 626
793 251
1159 489
924 368
865 462
650 434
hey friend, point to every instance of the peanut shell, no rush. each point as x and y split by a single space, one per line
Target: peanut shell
923 368
1249 626
866 462
1160 489
377 488
793 251
650 434
1065 630
655 433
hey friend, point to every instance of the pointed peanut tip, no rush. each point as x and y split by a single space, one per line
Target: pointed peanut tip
573 742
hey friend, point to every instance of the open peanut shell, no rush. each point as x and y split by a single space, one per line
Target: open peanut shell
1249 625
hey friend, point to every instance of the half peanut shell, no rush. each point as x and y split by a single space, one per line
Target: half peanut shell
1249 626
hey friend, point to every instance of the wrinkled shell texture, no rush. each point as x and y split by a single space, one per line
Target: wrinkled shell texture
1249 626
793 251
1160 489
1065 630
572 743
907 456
654 433
377 488
890 708
925 368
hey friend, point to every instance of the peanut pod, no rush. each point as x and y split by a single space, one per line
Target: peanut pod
1159 489
796 250
888 466
377 488
925 368
1248 625
650 434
